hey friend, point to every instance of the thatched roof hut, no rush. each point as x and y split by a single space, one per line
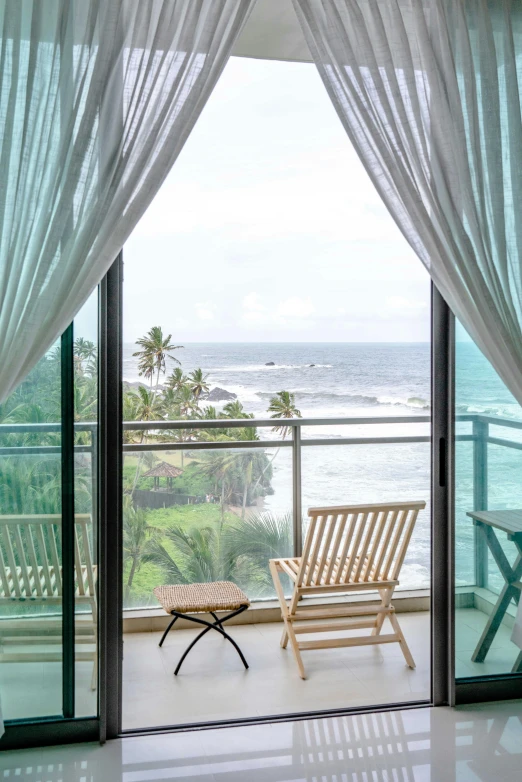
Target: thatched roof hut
163 470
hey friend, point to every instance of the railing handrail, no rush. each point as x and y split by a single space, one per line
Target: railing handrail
237 423
28 428
494 420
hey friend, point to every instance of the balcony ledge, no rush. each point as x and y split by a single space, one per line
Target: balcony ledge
156 620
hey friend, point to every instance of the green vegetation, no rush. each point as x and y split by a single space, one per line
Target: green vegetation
189 515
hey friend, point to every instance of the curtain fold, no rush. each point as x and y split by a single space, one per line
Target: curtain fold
429 92
97 99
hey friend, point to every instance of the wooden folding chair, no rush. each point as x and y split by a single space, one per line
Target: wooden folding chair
351 548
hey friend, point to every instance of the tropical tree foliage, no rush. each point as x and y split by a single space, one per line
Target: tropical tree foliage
237 552
138 540
155 349
235 546
282 405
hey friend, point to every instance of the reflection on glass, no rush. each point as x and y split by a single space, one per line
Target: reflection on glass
30 545
488 547
85 352
31 678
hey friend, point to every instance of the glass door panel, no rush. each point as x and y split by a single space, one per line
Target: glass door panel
30 545
488 503
37 680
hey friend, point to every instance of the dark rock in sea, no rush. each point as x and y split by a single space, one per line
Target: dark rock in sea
270 364
311 365
220 395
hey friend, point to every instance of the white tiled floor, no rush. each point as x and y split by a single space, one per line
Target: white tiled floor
213 684
472 744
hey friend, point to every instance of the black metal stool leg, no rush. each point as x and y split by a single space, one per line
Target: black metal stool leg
218 620
217 625
167 630
190 646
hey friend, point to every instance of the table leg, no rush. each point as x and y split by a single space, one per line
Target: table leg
509 592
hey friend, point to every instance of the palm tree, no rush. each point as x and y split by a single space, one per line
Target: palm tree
216 465
147 407
85 399
237 551
138 539
209 413
84 348
155 350
235 410
170 404
247 461
198 383
261 537
202 555
29 486
282 405
176 379
187 402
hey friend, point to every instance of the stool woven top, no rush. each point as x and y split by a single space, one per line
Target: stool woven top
201 598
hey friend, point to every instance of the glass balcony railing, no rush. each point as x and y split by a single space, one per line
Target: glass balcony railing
198 510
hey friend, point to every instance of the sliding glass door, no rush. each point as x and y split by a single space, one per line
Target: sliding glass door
48 533
488 520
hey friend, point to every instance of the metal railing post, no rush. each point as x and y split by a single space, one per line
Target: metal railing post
480 496
296 487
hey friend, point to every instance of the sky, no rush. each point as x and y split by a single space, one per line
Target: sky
268 229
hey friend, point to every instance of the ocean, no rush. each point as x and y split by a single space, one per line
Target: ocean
372 380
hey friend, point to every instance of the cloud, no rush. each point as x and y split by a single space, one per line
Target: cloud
204 311
252 303
294 307
407 306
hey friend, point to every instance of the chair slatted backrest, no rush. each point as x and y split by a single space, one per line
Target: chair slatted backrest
30 557
356 543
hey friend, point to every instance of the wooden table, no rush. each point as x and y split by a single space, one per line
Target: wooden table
510 522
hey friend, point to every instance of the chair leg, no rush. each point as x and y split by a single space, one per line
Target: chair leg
402 641
288 632
386 596
295 648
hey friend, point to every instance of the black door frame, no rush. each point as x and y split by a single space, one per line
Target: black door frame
442 691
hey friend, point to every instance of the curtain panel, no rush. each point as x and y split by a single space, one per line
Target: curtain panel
429 92
97 99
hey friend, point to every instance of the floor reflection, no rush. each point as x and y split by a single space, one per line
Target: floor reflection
480 743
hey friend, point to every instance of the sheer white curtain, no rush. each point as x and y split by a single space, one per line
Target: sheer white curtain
429 92
96 101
